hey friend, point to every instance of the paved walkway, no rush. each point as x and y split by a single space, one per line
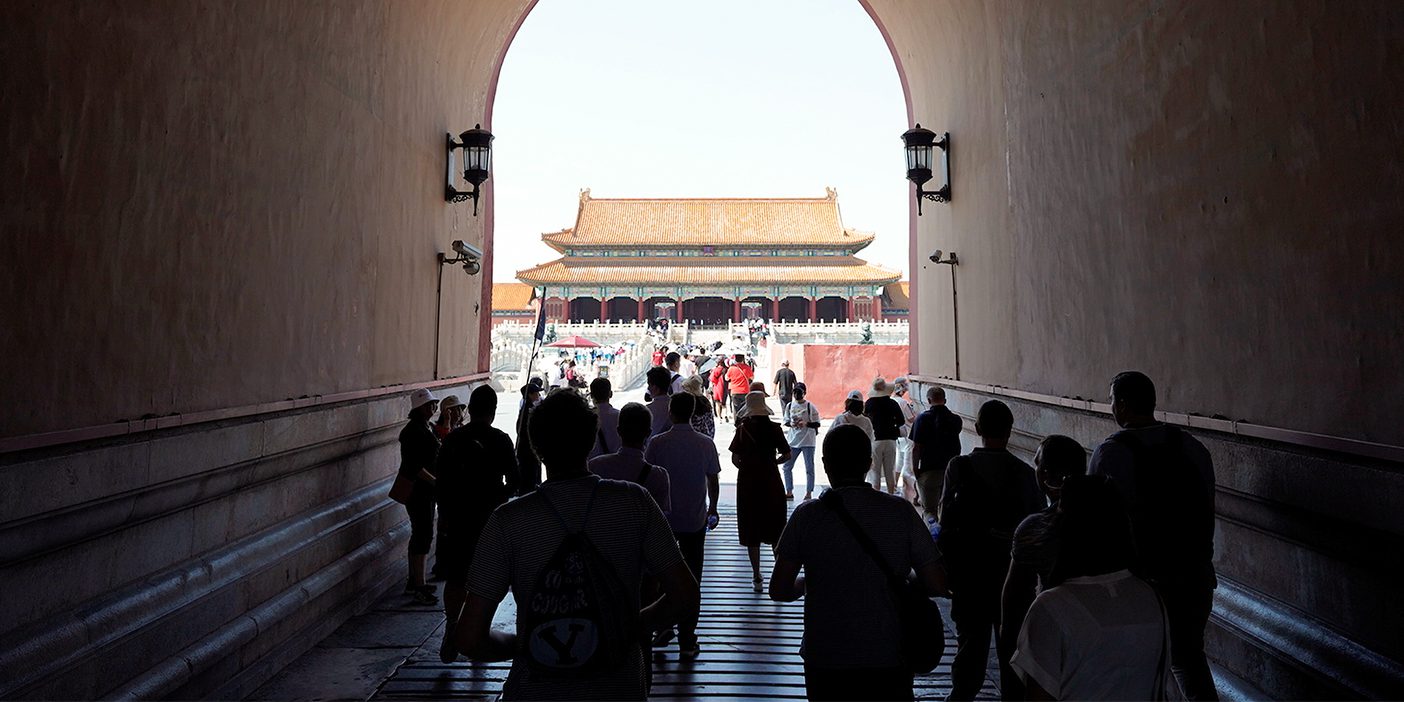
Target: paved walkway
750 648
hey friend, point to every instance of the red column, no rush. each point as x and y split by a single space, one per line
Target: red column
813 309
679 316
877 307
736 310
850 310
640 316
775 308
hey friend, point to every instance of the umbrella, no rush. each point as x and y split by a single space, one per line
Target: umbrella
572 342
706 366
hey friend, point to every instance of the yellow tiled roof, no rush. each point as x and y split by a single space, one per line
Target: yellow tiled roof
898 295
512 297
708 271
708 221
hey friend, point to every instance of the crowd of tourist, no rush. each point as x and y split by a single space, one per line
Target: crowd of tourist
1092 578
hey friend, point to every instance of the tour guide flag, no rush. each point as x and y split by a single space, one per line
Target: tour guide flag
541 317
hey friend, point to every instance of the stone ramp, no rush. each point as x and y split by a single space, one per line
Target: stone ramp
750 646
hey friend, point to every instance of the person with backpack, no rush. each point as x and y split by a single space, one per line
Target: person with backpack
477 472
573 554
606 440
852 645
673 362
628 462
1167 479
935 441
802 433
987 493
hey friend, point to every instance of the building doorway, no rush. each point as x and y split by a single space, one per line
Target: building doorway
832 309
707 312
585 309
622 309
794 309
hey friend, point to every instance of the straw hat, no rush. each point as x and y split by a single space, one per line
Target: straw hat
755 404
693 386
449 402
881 388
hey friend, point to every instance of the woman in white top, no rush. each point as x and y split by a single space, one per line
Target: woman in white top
853 414
802 431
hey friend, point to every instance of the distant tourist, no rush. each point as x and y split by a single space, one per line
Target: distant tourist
738 380
785 380
1167 480
987 494
418 450
888 421
757 449
717 376
1036 539
477 472
935 441
1099 633
573 554
852 641
853 414
905 471
693 469
606 438
802 432
673 362
702 418
635 426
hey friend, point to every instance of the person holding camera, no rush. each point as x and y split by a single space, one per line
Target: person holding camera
802 432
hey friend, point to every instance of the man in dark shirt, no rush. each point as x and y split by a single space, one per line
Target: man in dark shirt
785 380
935 441
477 471
987 493
888 420
528 465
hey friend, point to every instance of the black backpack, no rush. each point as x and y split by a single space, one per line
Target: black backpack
1172 517
578 619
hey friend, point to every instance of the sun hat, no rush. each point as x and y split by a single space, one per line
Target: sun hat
421 397
693 386
449 402
755 404
855 395
881 388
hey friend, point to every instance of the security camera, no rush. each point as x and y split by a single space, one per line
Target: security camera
472 267
936 256
466 250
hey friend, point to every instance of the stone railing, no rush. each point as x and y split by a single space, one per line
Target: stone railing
883 333
600 332
510 356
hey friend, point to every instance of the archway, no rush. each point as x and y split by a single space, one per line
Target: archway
660 308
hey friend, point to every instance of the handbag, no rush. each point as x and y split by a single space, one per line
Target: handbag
402 488
923 633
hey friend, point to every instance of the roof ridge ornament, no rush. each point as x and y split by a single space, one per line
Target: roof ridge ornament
584 195
832 193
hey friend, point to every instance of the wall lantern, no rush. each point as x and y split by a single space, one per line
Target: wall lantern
476 144
920 144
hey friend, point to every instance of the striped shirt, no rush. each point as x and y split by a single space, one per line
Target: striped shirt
625 526
850 616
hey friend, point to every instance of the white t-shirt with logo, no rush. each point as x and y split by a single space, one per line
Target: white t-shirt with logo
798 415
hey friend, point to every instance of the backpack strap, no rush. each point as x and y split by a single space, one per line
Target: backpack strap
831 499
588 507
603 442
643 473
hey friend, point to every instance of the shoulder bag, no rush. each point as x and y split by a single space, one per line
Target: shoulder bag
923 633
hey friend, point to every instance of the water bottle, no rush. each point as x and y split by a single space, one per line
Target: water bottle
711 522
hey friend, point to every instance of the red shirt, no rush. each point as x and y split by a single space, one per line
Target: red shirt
738 379
657 358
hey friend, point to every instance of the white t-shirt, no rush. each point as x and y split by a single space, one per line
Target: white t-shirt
1100 637
798 415
856 420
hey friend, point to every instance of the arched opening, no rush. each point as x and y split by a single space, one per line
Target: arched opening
622 309
794 309
585 309
832 308
660 308
755 307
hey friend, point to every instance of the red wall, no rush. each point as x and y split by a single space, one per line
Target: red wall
831 370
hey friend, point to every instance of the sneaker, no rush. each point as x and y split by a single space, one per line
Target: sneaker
689 650
663 638
425 595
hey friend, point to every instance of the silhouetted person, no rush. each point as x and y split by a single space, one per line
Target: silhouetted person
606 440
658 380
852 646
886 416
1099 633
418 449
935 441
635 426
528 466
1036 539
1167 480
987 494
620 526
758 447
673 362
693 466
477 472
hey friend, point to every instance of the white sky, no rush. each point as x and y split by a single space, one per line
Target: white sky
699 98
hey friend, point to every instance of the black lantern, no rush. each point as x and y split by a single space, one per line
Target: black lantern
476 144
920 145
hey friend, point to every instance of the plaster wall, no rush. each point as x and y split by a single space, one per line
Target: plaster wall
1203 191
217 204
829 371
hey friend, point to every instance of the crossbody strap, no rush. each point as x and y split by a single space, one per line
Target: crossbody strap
831 500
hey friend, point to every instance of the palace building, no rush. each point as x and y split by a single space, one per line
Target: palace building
710 261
